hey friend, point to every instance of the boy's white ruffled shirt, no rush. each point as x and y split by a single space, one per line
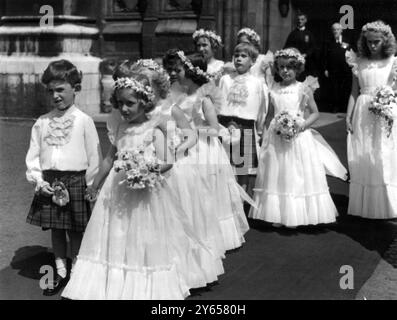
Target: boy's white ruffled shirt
67 143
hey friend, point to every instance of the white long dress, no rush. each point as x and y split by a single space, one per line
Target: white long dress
224 195
291 187
372 155
189 186
139 244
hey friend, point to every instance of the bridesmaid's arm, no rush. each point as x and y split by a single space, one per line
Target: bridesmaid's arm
162 150
189 134
211 117
269 115
313 109
104 169
351 105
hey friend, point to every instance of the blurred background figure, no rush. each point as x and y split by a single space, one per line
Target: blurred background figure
303 40
337 70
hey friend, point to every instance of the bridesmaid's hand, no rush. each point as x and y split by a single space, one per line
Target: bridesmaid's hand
91 194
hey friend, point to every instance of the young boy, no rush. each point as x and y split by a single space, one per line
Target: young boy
63 158
244 109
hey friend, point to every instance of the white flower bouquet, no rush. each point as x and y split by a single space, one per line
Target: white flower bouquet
285 126
141 167
383 106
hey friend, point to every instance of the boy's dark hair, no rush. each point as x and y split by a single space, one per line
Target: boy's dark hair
248 48
63 70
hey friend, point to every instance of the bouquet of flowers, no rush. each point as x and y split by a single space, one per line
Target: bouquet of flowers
141 167
382 106
285 126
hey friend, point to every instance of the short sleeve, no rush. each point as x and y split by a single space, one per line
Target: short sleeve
306 94
113 123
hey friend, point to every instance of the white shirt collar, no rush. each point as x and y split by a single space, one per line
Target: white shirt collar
302 29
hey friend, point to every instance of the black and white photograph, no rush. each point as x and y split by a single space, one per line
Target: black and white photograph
214 152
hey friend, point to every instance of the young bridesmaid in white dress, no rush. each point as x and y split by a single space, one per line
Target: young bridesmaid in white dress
182 138
372 154
207 43
223 194
139 244
291 187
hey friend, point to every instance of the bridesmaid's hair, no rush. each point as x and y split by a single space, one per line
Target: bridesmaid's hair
63 70
148 106
159 80
389 41
171 59
293 63
198 61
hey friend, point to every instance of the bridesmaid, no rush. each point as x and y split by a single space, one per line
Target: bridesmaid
207 43
372 154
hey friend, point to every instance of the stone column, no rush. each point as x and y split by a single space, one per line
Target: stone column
207 17
26 49
150 21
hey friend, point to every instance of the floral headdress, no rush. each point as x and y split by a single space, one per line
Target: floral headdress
252 34
377 26
207 34
149 64
152 65
288 54
190 66
130 83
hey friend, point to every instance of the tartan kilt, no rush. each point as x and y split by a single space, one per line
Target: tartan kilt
74 216
247 148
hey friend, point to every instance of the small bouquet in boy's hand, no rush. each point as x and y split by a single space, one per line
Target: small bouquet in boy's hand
285 126
383 106
61 195
141 167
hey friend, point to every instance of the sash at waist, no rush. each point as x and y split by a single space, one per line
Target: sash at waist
370 91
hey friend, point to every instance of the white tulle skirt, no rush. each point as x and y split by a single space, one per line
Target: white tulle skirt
225 198
139 245
192 192
291 187
373 166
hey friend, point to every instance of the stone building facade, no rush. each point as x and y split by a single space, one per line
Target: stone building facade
95 34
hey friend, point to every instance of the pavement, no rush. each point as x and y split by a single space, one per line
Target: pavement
272 265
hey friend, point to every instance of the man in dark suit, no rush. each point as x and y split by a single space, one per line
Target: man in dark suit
337 70
302 39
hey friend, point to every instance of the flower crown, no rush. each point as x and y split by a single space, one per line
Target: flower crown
288 54
207 34
250 33
153 66
190 66
377 26
130 83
